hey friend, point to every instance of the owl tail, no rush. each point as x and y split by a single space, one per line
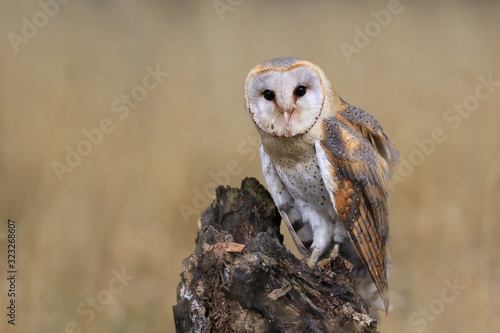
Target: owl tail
369 292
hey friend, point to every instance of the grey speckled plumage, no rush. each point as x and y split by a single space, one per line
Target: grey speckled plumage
279 62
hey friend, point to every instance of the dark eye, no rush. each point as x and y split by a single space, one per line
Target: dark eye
268 94
300 91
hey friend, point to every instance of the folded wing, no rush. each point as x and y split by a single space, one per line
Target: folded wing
356 158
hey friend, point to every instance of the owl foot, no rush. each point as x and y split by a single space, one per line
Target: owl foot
313 259
322 264
335 253
325 262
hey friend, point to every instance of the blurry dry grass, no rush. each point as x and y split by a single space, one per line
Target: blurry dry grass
120 207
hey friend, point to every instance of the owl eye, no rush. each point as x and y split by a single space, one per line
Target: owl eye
300 91
268 94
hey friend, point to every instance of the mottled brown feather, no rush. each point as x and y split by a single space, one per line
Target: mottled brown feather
362 157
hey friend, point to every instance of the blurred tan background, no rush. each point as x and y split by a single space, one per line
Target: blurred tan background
130 206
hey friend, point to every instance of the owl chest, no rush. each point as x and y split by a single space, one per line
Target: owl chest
297 166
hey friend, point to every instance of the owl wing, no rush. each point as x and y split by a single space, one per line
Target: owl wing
355 157
284 201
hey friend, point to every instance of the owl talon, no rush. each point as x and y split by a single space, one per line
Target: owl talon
322 264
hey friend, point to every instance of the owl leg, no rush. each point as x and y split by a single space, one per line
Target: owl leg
322 231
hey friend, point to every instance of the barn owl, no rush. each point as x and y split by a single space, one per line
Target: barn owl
327 165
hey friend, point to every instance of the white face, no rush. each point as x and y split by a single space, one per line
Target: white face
285 104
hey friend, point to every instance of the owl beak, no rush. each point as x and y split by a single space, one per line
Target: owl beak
287 117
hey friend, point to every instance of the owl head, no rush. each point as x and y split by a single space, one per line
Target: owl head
286 96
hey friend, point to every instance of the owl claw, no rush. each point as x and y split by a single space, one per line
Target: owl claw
322 264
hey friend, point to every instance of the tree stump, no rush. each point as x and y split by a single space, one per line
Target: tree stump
241 278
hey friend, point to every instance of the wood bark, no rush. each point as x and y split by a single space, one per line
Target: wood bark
241 278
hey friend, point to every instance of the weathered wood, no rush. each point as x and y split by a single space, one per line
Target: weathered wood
241 278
